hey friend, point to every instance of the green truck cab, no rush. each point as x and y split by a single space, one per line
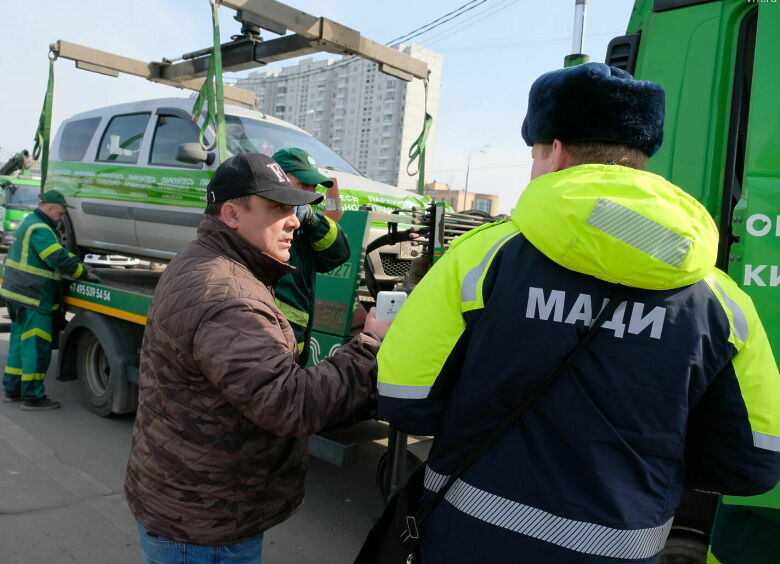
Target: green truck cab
716 60
20 198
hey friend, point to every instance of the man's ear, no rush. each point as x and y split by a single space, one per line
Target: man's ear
229 214
561 157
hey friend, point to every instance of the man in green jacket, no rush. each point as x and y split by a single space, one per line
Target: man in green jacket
31 288
320 245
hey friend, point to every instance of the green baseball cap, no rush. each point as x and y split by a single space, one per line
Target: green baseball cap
54 197
300 164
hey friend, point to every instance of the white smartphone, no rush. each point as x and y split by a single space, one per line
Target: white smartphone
388 304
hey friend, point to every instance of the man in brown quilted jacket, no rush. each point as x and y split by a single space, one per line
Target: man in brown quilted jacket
220 439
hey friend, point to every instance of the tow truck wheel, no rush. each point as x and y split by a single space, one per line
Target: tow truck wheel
94 374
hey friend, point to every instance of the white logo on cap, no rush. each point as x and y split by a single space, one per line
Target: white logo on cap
280 175
311 161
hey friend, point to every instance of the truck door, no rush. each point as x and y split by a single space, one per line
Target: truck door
754 257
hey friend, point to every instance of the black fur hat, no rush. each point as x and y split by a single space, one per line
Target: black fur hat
595 102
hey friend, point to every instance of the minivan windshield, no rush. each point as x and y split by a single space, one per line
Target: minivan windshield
247 135
22 197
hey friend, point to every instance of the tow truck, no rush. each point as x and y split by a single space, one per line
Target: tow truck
100 344
717 61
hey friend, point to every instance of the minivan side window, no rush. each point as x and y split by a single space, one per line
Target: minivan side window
76 136
169 133
121 141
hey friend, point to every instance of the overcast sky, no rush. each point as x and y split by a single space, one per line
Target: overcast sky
492 54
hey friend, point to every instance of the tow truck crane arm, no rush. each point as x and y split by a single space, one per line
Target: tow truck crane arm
311 35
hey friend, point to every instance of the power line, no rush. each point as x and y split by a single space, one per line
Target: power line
421 30
481 168
430 26
526 43
468 23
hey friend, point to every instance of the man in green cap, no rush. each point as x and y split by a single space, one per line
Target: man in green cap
319 245
31 288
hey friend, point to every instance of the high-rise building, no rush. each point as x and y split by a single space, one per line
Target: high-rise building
368 117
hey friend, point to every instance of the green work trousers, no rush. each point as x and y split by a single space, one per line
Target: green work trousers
29 352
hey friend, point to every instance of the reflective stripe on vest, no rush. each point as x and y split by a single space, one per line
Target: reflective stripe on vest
14 297
580 536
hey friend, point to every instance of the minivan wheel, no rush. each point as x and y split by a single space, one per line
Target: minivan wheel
66 235
93 371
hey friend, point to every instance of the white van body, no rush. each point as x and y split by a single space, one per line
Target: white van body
117 166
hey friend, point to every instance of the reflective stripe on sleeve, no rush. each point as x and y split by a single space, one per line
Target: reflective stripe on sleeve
329 238
14 371
767 442
49 250
580 536
79 271
403 392
292 314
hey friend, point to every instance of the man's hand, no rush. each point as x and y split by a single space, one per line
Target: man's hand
304 213
91 275
378 328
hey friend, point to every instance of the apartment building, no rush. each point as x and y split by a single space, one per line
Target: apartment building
369 118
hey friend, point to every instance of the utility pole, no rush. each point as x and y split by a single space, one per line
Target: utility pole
577 57
482 149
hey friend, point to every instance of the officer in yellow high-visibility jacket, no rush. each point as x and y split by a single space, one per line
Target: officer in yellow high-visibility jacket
31 288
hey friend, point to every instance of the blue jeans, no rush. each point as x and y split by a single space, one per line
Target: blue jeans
160 550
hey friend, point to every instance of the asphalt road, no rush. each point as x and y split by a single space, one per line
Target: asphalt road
61 499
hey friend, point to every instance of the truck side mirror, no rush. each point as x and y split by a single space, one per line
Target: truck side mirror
193 153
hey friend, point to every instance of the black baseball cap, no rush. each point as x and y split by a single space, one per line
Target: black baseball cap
254 173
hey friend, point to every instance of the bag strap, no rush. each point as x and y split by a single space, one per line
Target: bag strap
414 521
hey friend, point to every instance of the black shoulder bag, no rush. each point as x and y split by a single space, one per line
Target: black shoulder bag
395 537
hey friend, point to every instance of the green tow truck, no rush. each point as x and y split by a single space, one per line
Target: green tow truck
718 63
100 344
19 198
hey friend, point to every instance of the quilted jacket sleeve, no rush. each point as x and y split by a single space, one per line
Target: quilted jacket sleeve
241 349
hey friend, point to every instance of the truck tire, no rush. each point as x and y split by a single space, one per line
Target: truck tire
94 374
684 549
96 371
